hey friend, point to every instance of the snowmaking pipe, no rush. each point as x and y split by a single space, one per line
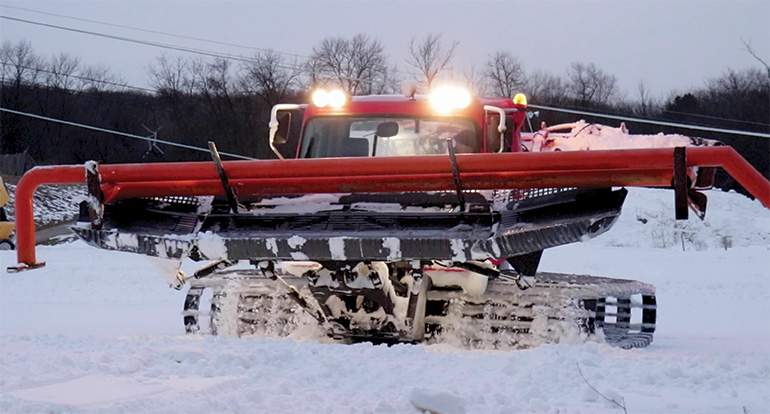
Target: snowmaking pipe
628 167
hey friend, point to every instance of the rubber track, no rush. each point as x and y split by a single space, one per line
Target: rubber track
505 313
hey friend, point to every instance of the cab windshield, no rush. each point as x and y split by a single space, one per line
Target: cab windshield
386 137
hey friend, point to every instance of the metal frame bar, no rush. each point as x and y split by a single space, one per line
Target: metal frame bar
680 183
633 167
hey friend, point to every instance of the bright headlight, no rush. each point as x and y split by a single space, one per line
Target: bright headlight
336 98
320 98
447 98
462 99
441 99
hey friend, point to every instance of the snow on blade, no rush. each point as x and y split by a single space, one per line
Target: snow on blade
393 246
306 204
296 242
337 248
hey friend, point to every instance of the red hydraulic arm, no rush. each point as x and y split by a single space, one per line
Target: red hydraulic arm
585 169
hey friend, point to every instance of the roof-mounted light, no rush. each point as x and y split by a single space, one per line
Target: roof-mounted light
446 98
335 98
320 98
520 99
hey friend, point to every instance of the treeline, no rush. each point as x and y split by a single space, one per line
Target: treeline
193 100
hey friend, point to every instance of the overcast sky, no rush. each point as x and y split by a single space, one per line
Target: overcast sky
671 45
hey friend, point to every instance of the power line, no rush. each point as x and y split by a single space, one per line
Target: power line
124 134
203 52
106 82
156 44
87 94
289 67
156 32
98 96
718 118
653 122
248 47
217 42
138 41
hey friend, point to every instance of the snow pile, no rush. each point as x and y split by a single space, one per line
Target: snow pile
587 136
99 332
51 203
305 204
648 221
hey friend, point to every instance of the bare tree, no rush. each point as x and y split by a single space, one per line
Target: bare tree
646 105
357 65
20 64
215 79
589 85
172 75
62 72
99 78
736 85
20 68
389 83
475 82
542 87
430 57
504 74
269 77
747 47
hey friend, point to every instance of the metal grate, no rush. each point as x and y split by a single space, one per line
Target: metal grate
184 200
528 193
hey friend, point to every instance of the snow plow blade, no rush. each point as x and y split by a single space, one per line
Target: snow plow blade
590 169
171 228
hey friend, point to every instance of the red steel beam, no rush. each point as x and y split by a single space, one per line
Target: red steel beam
335 167
735 165
392 183
25 220
637 167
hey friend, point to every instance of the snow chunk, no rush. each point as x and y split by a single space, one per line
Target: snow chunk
306 204
472 283
128 240
296 241
436 401
204 204
299 256
92 167
394 246
458 250
337 248
212 246
271 244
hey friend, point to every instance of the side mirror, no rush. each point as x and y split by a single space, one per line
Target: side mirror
387 129
284 126
280 125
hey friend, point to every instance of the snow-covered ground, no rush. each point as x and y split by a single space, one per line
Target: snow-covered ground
95 331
